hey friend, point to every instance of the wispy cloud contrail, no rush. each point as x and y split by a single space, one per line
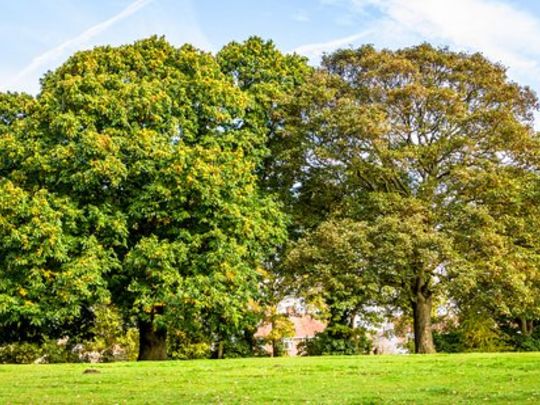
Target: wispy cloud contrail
52 54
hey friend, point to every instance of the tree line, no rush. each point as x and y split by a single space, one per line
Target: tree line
191 191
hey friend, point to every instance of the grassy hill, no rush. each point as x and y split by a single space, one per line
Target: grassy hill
463 378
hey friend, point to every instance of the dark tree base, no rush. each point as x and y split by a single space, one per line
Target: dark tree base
423 335
152 342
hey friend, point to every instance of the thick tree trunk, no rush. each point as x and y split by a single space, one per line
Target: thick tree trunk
523 324
152 342
423 335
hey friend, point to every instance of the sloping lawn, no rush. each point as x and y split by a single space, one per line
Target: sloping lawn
463 378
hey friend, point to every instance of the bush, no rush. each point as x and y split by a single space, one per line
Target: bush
236 348
180 346
448 342
111 341
337 340
525 343
58 351
477 332
50 351
108 341
20 353
482 334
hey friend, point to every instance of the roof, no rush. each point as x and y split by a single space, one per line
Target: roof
305 327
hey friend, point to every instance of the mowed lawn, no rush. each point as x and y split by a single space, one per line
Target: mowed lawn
461 378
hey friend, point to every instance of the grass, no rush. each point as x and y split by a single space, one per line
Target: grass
461 378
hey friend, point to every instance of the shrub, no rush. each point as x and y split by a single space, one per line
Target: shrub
236 348
111 341
449 341
337 340
524 343
20 353
50 351
180 346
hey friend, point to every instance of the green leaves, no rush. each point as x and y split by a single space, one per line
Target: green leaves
47 270
147 172
412 143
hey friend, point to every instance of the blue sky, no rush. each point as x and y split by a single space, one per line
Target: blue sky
38 35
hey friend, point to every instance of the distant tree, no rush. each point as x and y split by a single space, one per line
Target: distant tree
330 264
281 327
398 141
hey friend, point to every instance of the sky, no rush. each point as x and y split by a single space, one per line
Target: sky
38 35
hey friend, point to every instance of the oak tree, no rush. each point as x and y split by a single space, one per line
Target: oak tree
399 137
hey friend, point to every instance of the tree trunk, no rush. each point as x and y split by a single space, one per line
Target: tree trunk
220 350
523 324
423 335
275 349
526 326
152 342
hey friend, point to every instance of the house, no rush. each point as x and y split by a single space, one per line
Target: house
384 338
305 326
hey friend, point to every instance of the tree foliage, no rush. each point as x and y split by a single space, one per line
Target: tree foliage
50 274
148 176
412 143
146 141
270 80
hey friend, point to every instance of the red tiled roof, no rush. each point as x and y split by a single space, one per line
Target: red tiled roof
304 326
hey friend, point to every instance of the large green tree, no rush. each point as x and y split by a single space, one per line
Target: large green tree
396 140
146 141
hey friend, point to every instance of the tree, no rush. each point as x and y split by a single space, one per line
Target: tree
331 261
399 137
281 327
146 141
500 236
270 81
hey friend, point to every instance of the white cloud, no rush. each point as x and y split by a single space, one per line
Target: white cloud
316 50
46 58
499 30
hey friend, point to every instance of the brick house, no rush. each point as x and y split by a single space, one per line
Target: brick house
305 327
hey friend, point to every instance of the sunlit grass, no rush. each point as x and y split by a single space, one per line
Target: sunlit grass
461 378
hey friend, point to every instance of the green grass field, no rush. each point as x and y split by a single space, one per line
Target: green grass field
463 378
